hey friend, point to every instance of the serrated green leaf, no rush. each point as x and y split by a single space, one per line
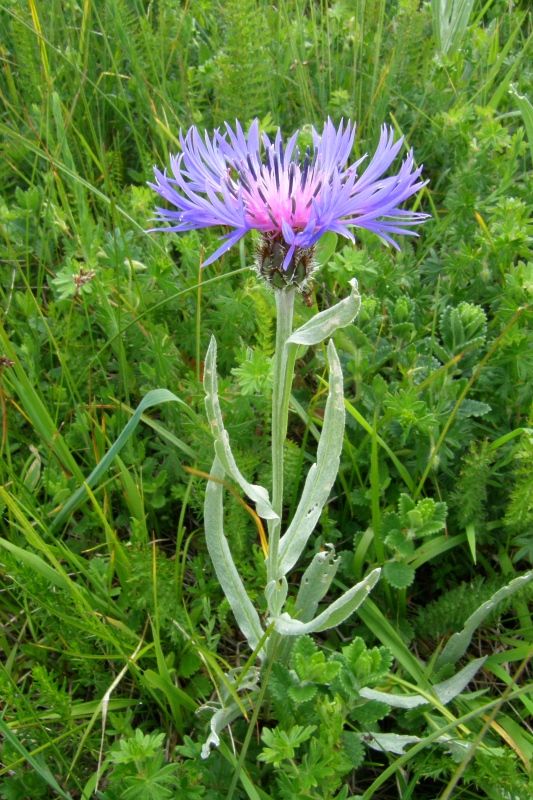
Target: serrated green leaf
424 518
370 712
473 408
405 504
354 748
302 693
398 574
398 540
304 650
352 652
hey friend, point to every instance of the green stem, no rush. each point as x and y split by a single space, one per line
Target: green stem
282 381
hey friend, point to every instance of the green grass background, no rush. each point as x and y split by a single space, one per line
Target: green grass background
113 628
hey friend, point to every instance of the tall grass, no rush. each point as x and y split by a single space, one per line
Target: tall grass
111 617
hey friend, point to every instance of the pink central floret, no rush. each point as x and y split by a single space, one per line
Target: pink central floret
272 200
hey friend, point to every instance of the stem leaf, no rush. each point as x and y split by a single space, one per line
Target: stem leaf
257 494
322 475
334 614
227 573
324 324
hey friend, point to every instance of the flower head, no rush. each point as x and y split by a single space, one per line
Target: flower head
246 181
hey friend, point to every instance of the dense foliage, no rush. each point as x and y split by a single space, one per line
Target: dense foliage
114 629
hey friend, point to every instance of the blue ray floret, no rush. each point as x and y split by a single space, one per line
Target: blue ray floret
248 181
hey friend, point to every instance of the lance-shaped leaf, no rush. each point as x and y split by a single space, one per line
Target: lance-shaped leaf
321 476
334 614
226 571
324 324
231 705
457 644
445 691
315 582
258 494
390 742
276 594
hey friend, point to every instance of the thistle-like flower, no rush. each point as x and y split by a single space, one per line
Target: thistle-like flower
292 199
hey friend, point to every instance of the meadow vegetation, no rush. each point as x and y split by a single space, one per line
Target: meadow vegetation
114 630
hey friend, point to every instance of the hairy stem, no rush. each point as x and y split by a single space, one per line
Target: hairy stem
282 380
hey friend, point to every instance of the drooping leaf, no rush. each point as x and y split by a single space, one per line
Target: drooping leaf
324 324
315 582
334 615
226 571
457 644
322 474
258 494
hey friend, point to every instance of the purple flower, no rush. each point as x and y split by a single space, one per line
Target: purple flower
292 200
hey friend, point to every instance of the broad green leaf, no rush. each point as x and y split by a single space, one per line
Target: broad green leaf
315 582
153 398
36 762
258 494
36 563
325 248
324 324
226 571
447 690
322 474
526 109
398 574
457 644
334 614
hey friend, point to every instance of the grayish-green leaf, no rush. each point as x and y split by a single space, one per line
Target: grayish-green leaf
276 594
258 494
457 644
445 691
450 21
226 571
231 705
334 614
315 582
220 720
390 742
321 476
394 700
327 322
